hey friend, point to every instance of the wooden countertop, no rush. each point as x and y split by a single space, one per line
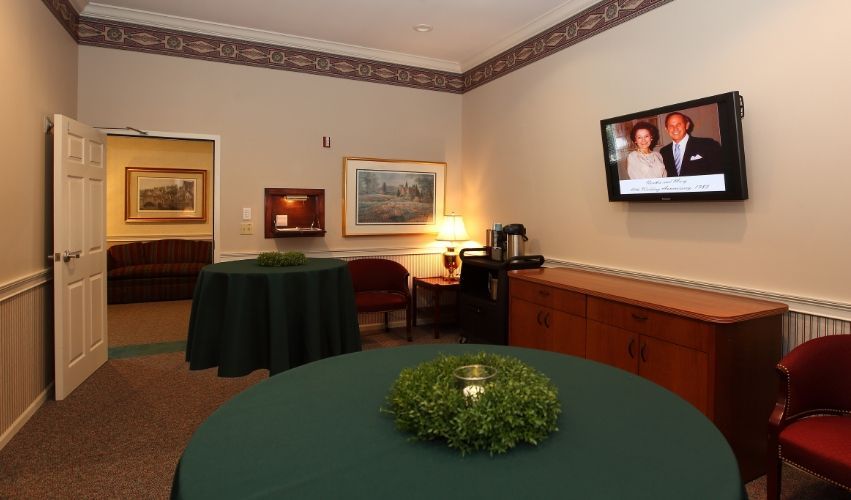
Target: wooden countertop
699 304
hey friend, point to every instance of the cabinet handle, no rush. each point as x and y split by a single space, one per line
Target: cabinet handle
643 355
629 348
543 293
639 317
539 316
547 320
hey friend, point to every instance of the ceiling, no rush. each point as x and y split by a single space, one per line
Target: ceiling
466 32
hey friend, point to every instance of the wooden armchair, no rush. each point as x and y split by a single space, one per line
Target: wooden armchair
810 427
381 286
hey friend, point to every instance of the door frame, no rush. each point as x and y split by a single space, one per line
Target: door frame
217 178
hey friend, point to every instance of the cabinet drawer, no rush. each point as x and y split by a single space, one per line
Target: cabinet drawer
683 331
632 318
555 298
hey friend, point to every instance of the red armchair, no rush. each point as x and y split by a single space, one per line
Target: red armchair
381 286
810 427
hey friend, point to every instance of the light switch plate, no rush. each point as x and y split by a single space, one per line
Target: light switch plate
246 228
246 213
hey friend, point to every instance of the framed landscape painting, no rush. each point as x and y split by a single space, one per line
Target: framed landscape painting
387 197
165 195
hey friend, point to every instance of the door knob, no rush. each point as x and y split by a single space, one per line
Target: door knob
67 255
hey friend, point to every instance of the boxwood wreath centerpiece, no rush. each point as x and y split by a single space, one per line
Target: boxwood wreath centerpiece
279 259
519 405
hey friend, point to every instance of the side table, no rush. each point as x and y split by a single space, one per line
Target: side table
437 285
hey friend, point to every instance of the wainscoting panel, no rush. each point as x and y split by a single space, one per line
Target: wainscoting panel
800 327
26 356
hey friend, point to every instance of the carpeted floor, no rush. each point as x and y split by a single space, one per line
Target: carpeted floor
147 322
121 433
798 485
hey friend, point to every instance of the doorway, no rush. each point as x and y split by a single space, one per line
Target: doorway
150 323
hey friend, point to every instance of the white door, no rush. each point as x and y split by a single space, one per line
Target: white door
79 253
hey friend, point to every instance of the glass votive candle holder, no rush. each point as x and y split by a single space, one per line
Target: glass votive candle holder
472 379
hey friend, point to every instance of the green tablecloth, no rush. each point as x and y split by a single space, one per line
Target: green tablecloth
246 317
316 432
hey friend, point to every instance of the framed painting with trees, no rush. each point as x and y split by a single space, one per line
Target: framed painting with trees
387 197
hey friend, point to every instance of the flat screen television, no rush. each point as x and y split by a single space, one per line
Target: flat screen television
681 152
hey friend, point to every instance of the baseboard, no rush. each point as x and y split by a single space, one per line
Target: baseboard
25 417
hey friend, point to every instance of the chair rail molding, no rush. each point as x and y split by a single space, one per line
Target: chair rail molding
130 238
817 307
21 285
377 252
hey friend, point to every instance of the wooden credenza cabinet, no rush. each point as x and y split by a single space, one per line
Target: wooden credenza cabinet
716 351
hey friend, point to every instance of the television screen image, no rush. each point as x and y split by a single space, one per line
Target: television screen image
687 151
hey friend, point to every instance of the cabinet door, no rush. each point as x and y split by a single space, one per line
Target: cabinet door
526 328
566 332
540 327
612 345
680 369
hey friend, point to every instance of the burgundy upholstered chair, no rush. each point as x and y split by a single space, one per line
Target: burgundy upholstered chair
381 285
810 427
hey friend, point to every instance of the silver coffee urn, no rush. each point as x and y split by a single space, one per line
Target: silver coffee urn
515 240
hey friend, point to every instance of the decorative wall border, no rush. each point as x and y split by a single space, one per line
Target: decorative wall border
126 36
66 14
592 21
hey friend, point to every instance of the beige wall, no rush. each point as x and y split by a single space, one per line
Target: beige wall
533 153
531 142
144 152
39 68
271 125
39 78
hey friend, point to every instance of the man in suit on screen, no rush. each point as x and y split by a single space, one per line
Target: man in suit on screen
689 155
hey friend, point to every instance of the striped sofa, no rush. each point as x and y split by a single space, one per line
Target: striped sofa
155 270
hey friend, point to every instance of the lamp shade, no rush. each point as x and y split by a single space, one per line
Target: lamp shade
452 229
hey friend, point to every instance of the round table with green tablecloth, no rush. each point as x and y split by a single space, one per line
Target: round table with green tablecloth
245 316
316 432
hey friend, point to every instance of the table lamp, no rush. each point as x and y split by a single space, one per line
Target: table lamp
452 231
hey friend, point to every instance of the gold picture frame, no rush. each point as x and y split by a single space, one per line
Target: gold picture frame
392 197
165 195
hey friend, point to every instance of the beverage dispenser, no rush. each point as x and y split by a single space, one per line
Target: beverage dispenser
515 238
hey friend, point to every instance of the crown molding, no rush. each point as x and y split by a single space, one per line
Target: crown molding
142 31
79 5
590 22
144 18
530 30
